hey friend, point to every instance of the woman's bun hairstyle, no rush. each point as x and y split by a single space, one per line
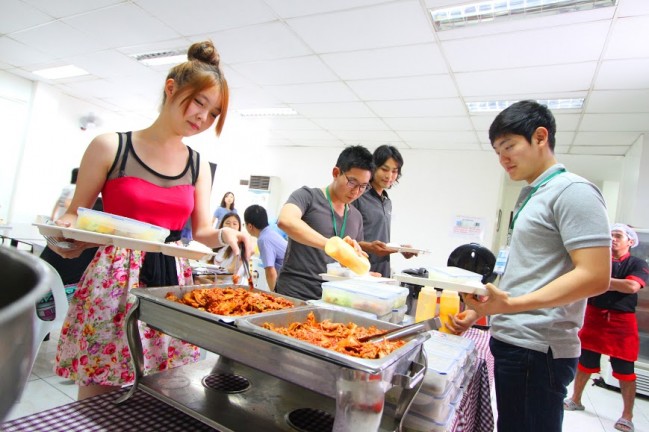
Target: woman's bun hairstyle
204 52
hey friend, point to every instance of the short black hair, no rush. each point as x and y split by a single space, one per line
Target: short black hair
523 118
256 216
385 152
355 157
74 175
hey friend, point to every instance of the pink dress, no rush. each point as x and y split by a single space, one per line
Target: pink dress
93 348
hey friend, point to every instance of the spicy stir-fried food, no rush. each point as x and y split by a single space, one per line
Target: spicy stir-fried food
338 337
231 301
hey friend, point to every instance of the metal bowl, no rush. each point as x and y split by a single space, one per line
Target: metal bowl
24 280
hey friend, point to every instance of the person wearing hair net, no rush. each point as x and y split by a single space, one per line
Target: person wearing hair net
610 325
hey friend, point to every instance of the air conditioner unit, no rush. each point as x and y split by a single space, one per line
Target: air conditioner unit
265 191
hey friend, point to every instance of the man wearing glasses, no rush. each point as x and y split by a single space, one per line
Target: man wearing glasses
313 215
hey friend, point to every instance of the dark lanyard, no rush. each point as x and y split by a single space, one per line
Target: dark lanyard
532 192
333 216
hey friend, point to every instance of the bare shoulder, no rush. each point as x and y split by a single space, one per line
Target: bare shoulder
105 142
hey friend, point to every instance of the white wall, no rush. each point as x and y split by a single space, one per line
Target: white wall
634 200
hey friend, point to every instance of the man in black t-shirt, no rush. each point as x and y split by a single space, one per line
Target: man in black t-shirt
610 325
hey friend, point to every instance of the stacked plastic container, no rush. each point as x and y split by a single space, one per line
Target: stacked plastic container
386 302
451 364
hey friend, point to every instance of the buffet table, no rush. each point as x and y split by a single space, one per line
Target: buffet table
144 412
474 413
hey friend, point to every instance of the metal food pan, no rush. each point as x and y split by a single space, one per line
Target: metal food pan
254 324
157 295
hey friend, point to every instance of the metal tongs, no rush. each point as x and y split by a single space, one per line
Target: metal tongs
246 266
402 332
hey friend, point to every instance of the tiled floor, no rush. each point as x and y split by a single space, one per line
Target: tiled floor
45 390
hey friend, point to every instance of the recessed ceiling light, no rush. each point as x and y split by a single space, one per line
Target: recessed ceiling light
499 105
161 57
490 10
267 112
60 72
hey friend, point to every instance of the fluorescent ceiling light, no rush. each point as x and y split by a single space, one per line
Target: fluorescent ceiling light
161 57
499 105
60 72
267 112
485 11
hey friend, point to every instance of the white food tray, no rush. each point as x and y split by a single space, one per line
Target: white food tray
330 278
464 286
399 248
123 242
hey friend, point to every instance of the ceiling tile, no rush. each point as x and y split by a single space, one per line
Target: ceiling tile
625 35
205 16
335 110
277 123
564 137
365 136
566 121
20 55
16 15
322 143
273 72
444 145
612 150
252 97
267 41
522 49
384 25
620 101
304 135
60 9
58 40
358 124
411 60
295 8
605 138
540 79
124 24
418 108
110 64
429 123
447 138
623 74
420 87
322 92
615 122
633 7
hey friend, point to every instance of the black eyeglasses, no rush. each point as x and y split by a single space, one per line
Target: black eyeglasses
354 184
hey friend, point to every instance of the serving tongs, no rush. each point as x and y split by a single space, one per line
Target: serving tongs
403 332
246 265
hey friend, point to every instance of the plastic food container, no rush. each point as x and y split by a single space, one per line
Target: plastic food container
398 314
106 223
379 299
436 407
417 423
440 372
335 269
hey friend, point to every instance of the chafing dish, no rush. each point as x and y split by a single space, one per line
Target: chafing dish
356 387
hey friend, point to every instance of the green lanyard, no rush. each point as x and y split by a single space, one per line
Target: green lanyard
533 191
333 216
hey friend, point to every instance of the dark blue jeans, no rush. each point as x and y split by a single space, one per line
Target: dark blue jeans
530 388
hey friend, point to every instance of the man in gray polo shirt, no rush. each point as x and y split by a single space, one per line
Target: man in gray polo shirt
376 207
558 255
313 215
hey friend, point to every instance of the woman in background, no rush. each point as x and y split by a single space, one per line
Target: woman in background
152 176
225 256
227 206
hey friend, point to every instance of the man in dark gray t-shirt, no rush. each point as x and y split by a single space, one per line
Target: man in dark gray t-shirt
313 215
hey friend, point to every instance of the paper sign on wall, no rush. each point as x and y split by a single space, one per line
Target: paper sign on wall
469 228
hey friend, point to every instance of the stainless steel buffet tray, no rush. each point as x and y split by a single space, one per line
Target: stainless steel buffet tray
157 295
254 324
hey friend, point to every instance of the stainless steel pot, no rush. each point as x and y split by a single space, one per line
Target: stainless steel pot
24 280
